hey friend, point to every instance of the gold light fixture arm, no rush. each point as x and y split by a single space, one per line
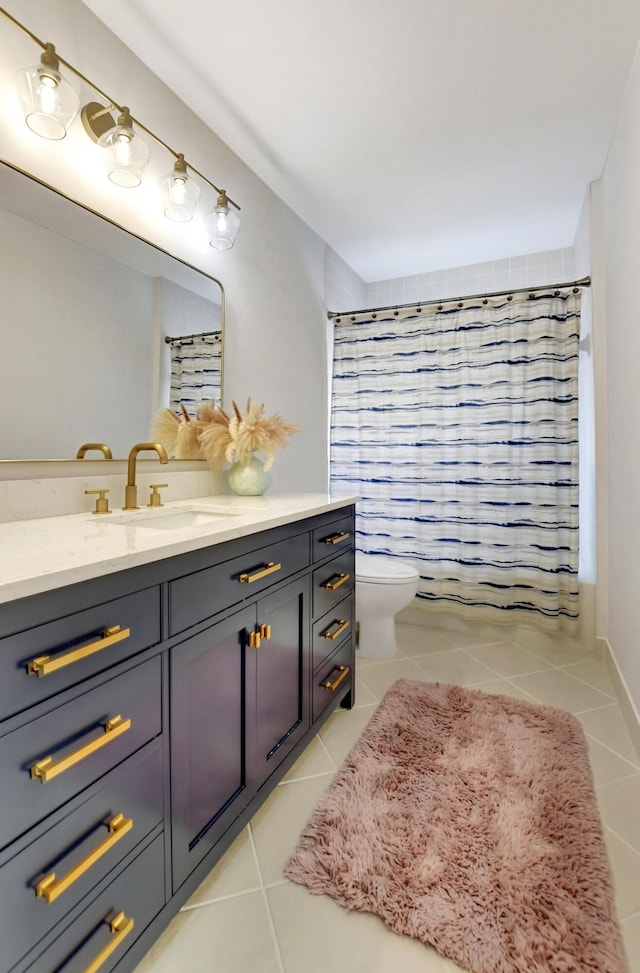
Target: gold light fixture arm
93 110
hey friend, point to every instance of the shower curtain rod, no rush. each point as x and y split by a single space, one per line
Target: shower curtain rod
185 337
418 305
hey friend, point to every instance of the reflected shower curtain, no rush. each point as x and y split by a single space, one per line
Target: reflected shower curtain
458 428
196 372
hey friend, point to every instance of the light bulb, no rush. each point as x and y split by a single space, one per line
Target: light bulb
178 191
122 148
47 93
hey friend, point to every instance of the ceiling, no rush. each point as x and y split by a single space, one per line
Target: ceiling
412 135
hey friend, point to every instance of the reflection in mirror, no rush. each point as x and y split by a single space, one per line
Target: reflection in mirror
86 309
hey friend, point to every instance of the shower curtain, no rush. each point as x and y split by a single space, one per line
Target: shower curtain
196 372
458 428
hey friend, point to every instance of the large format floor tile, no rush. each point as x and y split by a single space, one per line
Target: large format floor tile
317 936
247 918
230 936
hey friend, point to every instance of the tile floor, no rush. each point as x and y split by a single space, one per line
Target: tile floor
245 918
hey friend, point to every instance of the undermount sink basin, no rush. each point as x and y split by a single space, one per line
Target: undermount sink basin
176 519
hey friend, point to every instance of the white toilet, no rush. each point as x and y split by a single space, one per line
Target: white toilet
384 586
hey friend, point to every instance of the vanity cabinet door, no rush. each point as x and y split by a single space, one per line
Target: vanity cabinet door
282 678
211 777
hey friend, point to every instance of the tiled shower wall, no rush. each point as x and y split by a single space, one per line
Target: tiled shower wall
547 267
344 289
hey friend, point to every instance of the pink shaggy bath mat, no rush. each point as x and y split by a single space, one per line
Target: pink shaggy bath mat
469 821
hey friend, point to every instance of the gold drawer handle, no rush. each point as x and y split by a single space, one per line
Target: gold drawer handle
265 632
337 538
332 585
270 568
332 686
44 664
50 889
46 769
120 927
254 640
342 626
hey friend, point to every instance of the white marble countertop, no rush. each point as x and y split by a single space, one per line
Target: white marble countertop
47 553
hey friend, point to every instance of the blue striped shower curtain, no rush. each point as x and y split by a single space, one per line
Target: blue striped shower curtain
459 430
196 372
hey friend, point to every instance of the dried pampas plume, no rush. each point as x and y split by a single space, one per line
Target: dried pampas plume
178 434
256 433
214 434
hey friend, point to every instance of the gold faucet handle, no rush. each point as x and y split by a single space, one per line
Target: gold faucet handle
155 500
102 504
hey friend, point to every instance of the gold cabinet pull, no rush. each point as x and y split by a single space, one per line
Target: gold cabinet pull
270 568
44 665
343 624
46 769
332 585
254 640
337 538
332 686
120 928
265 632
50 889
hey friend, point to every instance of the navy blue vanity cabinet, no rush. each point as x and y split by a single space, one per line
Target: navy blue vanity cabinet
145 716
239 705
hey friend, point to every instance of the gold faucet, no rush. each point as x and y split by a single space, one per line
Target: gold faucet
131 490
100 446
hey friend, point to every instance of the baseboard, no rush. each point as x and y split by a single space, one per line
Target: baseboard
629 711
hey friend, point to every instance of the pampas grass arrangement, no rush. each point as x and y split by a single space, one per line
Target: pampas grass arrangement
220 438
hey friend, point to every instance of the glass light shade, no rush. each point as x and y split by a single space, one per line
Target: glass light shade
223 226
125 154
49 102
180 193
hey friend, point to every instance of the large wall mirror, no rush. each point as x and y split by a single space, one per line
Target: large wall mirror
86 307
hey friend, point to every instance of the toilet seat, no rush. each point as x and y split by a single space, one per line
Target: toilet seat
380 569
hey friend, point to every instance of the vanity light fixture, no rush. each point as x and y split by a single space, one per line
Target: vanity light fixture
180 193
50 105
49 102
223 224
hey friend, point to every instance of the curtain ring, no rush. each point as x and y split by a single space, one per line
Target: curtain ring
374 316
509 297
396 313
485 300
439 307
353 318
460 304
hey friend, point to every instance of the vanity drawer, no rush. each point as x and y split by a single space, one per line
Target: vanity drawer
332 582
332 629
198 596
74 745
134 792
138 892
39 662
333 537
335 674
